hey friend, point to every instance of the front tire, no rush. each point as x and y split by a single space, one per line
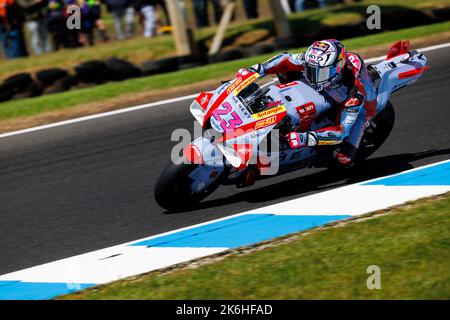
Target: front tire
173 188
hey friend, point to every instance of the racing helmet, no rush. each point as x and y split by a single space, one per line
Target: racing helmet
324 63
253 97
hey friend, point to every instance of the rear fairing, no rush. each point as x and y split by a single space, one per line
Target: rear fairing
398 72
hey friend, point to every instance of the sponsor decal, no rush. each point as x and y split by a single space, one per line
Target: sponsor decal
269 112
326 143
327 140
352 102
353 58
266 119
287 85
350 119
243 110
265 122
307 108
241 86
312 58
203 99
234 85
352 110
307 112
320 45
274 104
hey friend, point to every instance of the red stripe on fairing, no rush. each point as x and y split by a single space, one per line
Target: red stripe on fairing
224 95
244 152
412 73
192 153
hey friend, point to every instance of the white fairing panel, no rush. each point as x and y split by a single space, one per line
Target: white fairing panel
197 111
389 71
296 96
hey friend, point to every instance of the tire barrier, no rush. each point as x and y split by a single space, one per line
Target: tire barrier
227 55
18 82
94 71
160 66
257 50
5 93
49 76
119 69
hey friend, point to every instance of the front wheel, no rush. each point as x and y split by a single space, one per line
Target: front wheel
173 187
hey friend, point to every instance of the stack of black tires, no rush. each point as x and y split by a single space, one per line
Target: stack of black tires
54 80
95 72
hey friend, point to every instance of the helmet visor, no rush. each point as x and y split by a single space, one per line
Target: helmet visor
316 74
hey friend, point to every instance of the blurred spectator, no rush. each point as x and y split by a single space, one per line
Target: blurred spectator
35 11
72 36
162 4
97 16
122 10
148 12
56 23
299 5
11 29
201 11
91 19
251 8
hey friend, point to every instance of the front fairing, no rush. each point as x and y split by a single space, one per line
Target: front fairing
241 131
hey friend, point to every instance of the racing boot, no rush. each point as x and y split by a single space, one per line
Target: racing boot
345 154
253 171
248 177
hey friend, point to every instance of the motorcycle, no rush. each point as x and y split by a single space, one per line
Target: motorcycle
238 138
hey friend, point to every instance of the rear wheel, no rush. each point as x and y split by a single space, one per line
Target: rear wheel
376 134
173 187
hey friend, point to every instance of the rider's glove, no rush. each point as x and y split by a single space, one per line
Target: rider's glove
301 139
258 68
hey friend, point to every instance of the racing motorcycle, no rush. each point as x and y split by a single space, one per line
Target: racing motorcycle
245 120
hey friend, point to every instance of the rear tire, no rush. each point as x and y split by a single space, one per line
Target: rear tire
372 141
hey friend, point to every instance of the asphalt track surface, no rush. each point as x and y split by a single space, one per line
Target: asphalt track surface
88 185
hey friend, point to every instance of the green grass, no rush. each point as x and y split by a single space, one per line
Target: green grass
411 246
33 106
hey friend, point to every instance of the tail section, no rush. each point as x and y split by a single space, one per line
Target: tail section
401 68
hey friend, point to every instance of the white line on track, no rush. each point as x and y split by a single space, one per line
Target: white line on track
158 103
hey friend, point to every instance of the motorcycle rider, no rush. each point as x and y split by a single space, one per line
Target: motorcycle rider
342 78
